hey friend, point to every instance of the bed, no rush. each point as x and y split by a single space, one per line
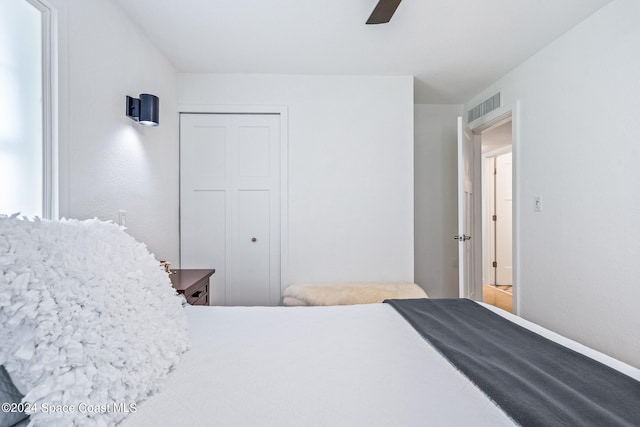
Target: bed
72 344
321 366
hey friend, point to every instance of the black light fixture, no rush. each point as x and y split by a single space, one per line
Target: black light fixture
145 110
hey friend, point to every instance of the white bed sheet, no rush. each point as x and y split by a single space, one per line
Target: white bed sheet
361 365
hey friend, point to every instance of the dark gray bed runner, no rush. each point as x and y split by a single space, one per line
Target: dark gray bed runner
536 381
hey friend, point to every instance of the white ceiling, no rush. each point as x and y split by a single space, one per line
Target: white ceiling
454 48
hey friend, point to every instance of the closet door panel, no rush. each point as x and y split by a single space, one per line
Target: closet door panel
230 204
253 247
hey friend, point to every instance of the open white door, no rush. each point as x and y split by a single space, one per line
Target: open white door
504 222
465 212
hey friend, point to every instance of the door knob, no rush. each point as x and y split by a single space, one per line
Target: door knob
253 239
462 238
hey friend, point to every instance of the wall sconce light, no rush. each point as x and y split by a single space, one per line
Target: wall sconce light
145 110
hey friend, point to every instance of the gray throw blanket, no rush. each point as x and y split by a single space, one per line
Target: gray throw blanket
535 381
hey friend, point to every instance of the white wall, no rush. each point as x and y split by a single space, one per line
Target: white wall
436 203
350 168
108 162
578 149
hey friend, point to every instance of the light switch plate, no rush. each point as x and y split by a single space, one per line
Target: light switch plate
537 204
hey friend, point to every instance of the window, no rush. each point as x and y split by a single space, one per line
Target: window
27 160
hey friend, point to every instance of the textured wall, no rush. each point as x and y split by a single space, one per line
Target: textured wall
436 203
577 148
107 161
350 168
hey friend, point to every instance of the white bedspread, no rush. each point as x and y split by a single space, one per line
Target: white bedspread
361 365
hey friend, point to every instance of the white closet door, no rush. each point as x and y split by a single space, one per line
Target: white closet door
230 204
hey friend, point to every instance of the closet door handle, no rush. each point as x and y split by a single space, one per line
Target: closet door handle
253 239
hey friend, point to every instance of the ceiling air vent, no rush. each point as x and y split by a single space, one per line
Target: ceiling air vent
485 107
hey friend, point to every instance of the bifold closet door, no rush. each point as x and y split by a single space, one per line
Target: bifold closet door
230 204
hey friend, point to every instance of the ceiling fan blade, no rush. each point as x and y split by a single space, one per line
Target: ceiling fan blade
383 11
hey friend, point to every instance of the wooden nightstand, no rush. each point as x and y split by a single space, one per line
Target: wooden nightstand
193 284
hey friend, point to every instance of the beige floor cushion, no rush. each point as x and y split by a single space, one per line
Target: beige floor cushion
346 293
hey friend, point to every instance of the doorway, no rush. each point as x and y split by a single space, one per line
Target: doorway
497 215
